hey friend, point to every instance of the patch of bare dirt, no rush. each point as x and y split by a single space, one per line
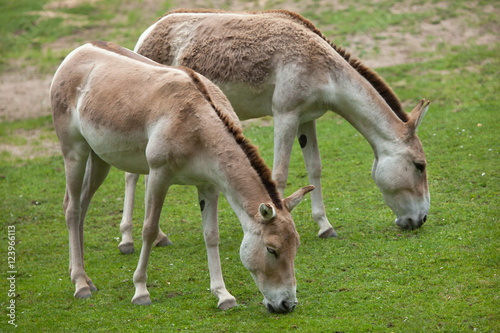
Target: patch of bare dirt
67 4
36 145
24 94
396 46
257 5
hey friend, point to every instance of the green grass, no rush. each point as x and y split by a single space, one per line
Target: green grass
373 277
29 28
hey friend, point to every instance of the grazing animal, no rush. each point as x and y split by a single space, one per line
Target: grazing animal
278 63
112 107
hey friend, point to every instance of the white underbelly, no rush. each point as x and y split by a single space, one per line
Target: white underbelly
125 151
247 101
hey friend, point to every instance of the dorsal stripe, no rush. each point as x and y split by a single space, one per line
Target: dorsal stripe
370 75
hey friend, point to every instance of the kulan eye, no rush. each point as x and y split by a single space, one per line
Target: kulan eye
273 252
420 166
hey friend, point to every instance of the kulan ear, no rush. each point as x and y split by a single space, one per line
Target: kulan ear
267 211
293 200
417 114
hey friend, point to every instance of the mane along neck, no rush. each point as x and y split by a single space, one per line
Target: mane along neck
249 149
370 75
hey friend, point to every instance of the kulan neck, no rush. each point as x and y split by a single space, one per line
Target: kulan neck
363 107
241 185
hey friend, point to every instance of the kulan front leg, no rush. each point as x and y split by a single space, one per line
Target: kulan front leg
285 129
308 141
209 197
161 239
155 196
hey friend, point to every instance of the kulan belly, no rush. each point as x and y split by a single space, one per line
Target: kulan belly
125 151
249 102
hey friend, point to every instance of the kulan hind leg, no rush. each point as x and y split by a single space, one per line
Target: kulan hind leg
96 172
126 245
75 161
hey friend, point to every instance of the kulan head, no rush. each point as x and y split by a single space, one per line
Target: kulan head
401 174
268 251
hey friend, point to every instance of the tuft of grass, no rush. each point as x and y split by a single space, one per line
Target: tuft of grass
29 27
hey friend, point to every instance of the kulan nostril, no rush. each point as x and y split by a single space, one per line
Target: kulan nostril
425 219
285 306
288 306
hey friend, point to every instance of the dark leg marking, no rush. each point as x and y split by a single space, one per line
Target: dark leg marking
202 205
303 141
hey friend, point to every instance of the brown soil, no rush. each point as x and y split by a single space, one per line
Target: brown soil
24 94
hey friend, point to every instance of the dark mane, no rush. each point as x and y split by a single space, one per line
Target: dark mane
370 75
249 149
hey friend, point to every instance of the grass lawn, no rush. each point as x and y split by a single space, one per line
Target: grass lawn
373 277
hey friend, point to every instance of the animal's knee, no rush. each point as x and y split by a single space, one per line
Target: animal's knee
66 201
149 232
211 237
280 176
314 169
73 213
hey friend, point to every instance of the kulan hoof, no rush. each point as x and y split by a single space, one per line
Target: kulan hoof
91 286
142 300
164 241
328 233
227 304
127 248
83 292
